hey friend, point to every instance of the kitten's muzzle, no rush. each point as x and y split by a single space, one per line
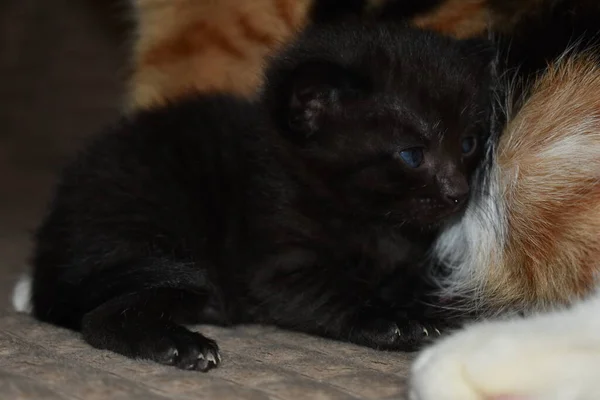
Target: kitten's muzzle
455 191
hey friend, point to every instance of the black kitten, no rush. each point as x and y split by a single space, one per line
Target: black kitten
311 209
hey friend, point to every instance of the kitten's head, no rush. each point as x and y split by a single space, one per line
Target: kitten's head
393 121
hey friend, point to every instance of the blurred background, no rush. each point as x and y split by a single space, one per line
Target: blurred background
62 68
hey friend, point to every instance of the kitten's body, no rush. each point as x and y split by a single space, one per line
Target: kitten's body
312 209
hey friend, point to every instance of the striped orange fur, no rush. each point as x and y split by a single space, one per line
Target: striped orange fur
184 45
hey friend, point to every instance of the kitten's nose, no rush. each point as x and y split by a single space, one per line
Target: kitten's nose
456 190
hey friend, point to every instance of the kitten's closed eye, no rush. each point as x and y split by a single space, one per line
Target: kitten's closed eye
468 145
413 157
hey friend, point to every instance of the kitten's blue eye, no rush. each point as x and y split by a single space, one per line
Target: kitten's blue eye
468 145
412 157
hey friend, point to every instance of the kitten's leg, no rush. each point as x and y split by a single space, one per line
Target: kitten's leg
146 325
133 308
334 302
551 357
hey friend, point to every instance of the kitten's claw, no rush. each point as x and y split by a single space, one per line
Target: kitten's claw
209 357
406 335
208 361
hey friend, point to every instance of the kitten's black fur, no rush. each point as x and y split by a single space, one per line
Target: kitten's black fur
296 210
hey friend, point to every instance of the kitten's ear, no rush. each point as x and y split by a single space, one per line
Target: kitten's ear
316 91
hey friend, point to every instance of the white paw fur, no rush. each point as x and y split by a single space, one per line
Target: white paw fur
555 356
21 297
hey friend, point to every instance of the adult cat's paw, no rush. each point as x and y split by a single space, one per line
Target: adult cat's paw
403 334
531 359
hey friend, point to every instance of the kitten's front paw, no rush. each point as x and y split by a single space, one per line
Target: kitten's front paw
167 344
183 349
405 335
531 359
414 334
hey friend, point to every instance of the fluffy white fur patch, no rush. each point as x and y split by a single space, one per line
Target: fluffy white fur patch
552 356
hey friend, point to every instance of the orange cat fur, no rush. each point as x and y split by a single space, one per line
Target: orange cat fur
534 241
184 45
